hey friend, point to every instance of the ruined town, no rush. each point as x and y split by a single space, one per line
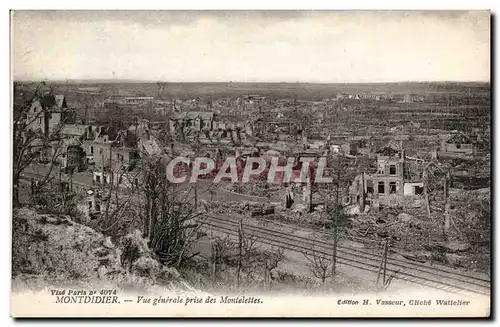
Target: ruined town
417 183
406 202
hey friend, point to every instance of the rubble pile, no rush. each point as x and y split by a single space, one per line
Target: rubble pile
415 236
471 216
256 188
246 208
392 223
298 216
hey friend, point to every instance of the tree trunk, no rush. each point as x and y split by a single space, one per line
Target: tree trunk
386 249
150 218
145 231
310 196
240 253
195 196
426 195
267 273
447 220
377 283
334 253
15 193
214 264
337 190
362 194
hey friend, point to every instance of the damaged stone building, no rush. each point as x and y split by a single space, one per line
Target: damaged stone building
458 144
195 120
48 112
72 156
91 205
111 146
397 176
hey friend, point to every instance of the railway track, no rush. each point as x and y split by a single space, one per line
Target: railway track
437 277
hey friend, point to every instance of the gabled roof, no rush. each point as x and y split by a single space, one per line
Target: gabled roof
139 98
73 129
60 101
459 138
205 115
111 131
57 102
390 149
193 115
72 142
178 116
230 118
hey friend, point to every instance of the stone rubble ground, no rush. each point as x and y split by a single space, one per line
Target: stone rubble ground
52 250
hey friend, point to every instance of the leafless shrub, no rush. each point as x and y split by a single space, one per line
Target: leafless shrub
30 145
248 253
221 253
270 261
134 246
319 265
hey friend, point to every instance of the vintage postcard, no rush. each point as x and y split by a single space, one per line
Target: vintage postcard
251 163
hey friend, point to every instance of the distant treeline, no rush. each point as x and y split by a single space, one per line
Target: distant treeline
305 91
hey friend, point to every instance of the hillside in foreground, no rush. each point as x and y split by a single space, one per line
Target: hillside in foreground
52 249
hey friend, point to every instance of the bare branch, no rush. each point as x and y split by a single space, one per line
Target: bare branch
319 265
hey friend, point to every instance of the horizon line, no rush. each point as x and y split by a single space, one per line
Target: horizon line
125 80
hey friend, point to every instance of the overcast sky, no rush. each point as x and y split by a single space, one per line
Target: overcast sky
252 46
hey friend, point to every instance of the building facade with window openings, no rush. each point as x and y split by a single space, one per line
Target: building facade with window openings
397 176
111 147
194 120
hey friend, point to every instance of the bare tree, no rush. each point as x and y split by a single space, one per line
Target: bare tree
332 196
121 210
28 144
270 261
48 177
229 132
436 182
206 132
338 170
335 213
171 220
221 251
248 254
238 134
319 265
240 253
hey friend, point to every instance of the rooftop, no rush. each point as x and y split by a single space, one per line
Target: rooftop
193 115
73 129
459 138
54 102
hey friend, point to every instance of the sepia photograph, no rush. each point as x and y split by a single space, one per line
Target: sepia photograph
250 163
